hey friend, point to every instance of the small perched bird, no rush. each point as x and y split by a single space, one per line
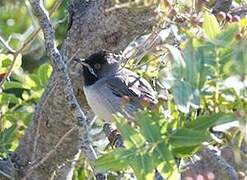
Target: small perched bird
109 88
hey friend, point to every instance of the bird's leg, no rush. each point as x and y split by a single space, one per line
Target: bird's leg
113 136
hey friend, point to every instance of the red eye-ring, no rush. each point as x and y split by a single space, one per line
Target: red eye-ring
97 66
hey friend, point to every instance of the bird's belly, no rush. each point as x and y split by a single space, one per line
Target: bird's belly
100 105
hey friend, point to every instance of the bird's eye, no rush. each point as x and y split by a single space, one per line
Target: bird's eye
97 66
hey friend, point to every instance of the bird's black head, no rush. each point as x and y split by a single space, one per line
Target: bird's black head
100 64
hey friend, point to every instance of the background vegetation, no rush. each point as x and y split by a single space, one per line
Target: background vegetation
199 72
23 89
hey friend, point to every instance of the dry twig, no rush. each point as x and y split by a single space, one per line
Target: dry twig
29 39
6 45
29 171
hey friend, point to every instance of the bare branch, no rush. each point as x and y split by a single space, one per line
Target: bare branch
140 51
39 119
23 46
220 163
7 170
45 158
6 175
6 45
60 66
7 75
222 5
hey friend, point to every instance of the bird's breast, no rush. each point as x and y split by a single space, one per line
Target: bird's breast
100 102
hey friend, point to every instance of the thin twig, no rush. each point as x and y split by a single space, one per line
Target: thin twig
6 76
72 57
30 170
24 45
31 37
38 117
6 45
6 175
140 51
137 66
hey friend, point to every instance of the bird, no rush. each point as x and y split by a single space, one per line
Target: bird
107 85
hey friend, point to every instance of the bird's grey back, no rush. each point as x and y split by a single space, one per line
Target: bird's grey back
108 92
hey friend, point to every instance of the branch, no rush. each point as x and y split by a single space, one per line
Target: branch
53 118
220 163
208 161
7 75
45 158
6 169
60 66
222 5
6 45
24 45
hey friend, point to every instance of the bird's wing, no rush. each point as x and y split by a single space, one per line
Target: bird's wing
127 83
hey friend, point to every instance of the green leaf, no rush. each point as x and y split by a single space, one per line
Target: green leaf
205 57
142 166
44 73
206 52
24 78
6 60
6 98
210 26
6 137
226 37
167 78
14 85
164 161
37 81
182 93
191 71
195 99
185 151
187 137
176 55
14 116
178 62
149 126
132 138
240 58
225 56
207 121
116 160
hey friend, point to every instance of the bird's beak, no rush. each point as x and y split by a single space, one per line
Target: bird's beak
89 68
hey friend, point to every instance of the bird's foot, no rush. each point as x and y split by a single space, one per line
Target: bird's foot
113 136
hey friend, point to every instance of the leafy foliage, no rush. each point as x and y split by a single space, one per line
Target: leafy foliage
18 100
142 156
201 71
30 73
200 98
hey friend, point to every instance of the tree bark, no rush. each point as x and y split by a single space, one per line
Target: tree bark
92 27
